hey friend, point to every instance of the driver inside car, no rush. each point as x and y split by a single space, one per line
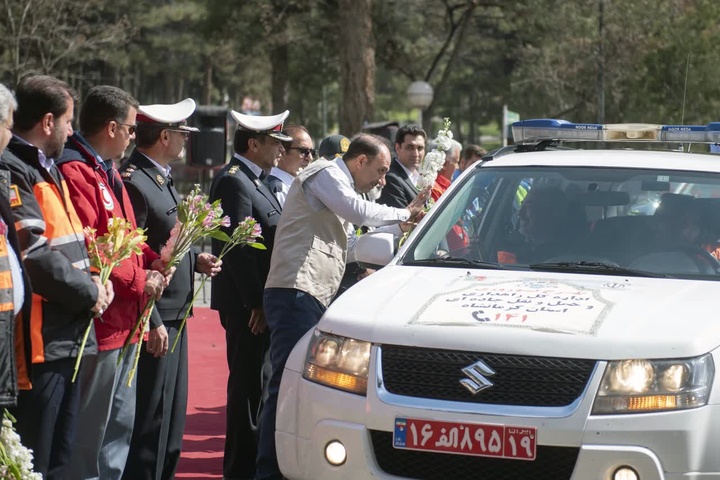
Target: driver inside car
680 224
544 225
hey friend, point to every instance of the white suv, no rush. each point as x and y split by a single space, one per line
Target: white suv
554 316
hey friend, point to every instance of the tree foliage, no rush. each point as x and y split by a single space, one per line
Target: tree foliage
640 61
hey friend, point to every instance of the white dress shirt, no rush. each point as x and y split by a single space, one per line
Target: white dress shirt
413 176
286 180
334 188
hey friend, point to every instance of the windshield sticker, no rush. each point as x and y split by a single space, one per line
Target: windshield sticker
536 304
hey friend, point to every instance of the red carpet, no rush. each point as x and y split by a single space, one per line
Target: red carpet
204 437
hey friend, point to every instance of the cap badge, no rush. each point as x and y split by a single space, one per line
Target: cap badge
344 144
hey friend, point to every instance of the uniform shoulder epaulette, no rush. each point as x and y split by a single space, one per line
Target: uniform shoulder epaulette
128 171
233 170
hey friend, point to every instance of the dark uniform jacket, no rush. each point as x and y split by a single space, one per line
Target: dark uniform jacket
14 364
155 201
245 269
399 190
54 256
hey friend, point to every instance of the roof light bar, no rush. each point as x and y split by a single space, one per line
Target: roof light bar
528 131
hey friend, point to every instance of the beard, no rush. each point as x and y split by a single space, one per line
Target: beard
56 144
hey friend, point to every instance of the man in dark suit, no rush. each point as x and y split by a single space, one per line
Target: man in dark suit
162 380
237 292
400 181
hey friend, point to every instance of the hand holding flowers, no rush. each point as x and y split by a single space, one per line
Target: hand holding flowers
106 252
429 168
196 218
247 232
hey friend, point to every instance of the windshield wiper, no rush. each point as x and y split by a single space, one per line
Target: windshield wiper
595 267
459 262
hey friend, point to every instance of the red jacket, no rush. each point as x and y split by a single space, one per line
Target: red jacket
96 203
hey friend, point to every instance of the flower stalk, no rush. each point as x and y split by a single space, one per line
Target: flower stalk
247 232
105 253
196 218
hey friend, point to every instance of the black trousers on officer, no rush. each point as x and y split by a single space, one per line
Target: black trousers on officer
162 391
245 355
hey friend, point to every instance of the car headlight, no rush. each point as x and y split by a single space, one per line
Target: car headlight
338 362
635 386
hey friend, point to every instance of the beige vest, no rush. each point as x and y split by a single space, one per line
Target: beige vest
310 247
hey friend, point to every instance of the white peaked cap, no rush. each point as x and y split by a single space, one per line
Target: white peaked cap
172 116
271 125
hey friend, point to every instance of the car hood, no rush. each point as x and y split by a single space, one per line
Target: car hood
530 313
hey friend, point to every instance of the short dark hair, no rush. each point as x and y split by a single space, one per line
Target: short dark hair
242 137
473 151
103 104
147 134
409 129
39 95
365 144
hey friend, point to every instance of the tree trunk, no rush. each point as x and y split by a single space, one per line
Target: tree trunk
280 78
357 57
208 84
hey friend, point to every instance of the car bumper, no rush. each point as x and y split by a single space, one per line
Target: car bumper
658 446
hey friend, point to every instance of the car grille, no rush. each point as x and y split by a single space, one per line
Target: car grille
551 463
518 380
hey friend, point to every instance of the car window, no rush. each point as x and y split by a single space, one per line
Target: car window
634 220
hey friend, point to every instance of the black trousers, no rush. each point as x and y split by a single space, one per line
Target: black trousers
245 356
162 391
47 416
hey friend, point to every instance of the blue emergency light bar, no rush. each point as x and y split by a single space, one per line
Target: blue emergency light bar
531 131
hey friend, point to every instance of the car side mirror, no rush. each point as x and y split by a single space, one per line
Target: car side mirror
375 250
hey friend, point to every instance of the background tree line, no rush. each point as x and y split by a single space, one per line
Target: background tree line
337 64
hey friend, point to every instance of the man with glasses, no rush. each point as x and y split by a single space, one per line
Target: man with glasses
107 125
65 295
237 293
162 380
298 154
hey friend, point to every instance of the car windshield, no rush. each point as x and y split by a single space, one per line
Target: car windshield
580 220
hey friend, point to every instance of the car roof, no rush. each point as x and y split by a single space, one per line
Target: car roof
614 158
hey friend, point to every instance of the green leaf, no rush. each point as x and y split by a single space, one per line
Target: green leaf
259 246
219 235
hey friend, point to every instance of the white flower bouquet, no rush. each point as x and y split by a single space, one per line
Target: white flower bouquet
16 461
435 159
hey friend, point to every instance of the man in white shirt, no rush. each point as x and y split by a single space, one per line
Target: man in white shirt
314 240
297 155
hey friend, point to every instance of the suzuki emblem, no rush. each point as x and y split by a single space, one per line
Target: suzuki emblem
477 374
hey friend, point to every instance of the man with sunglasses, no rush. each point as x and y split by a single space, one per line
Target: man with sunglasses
107 124
298 154
237 293
162 380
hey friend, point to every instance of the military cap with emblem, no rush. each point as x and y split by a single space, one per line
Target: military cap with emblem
334 146
270 125
172 116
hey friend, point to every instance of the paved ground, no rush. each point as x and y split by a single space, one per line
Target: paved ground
203 298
